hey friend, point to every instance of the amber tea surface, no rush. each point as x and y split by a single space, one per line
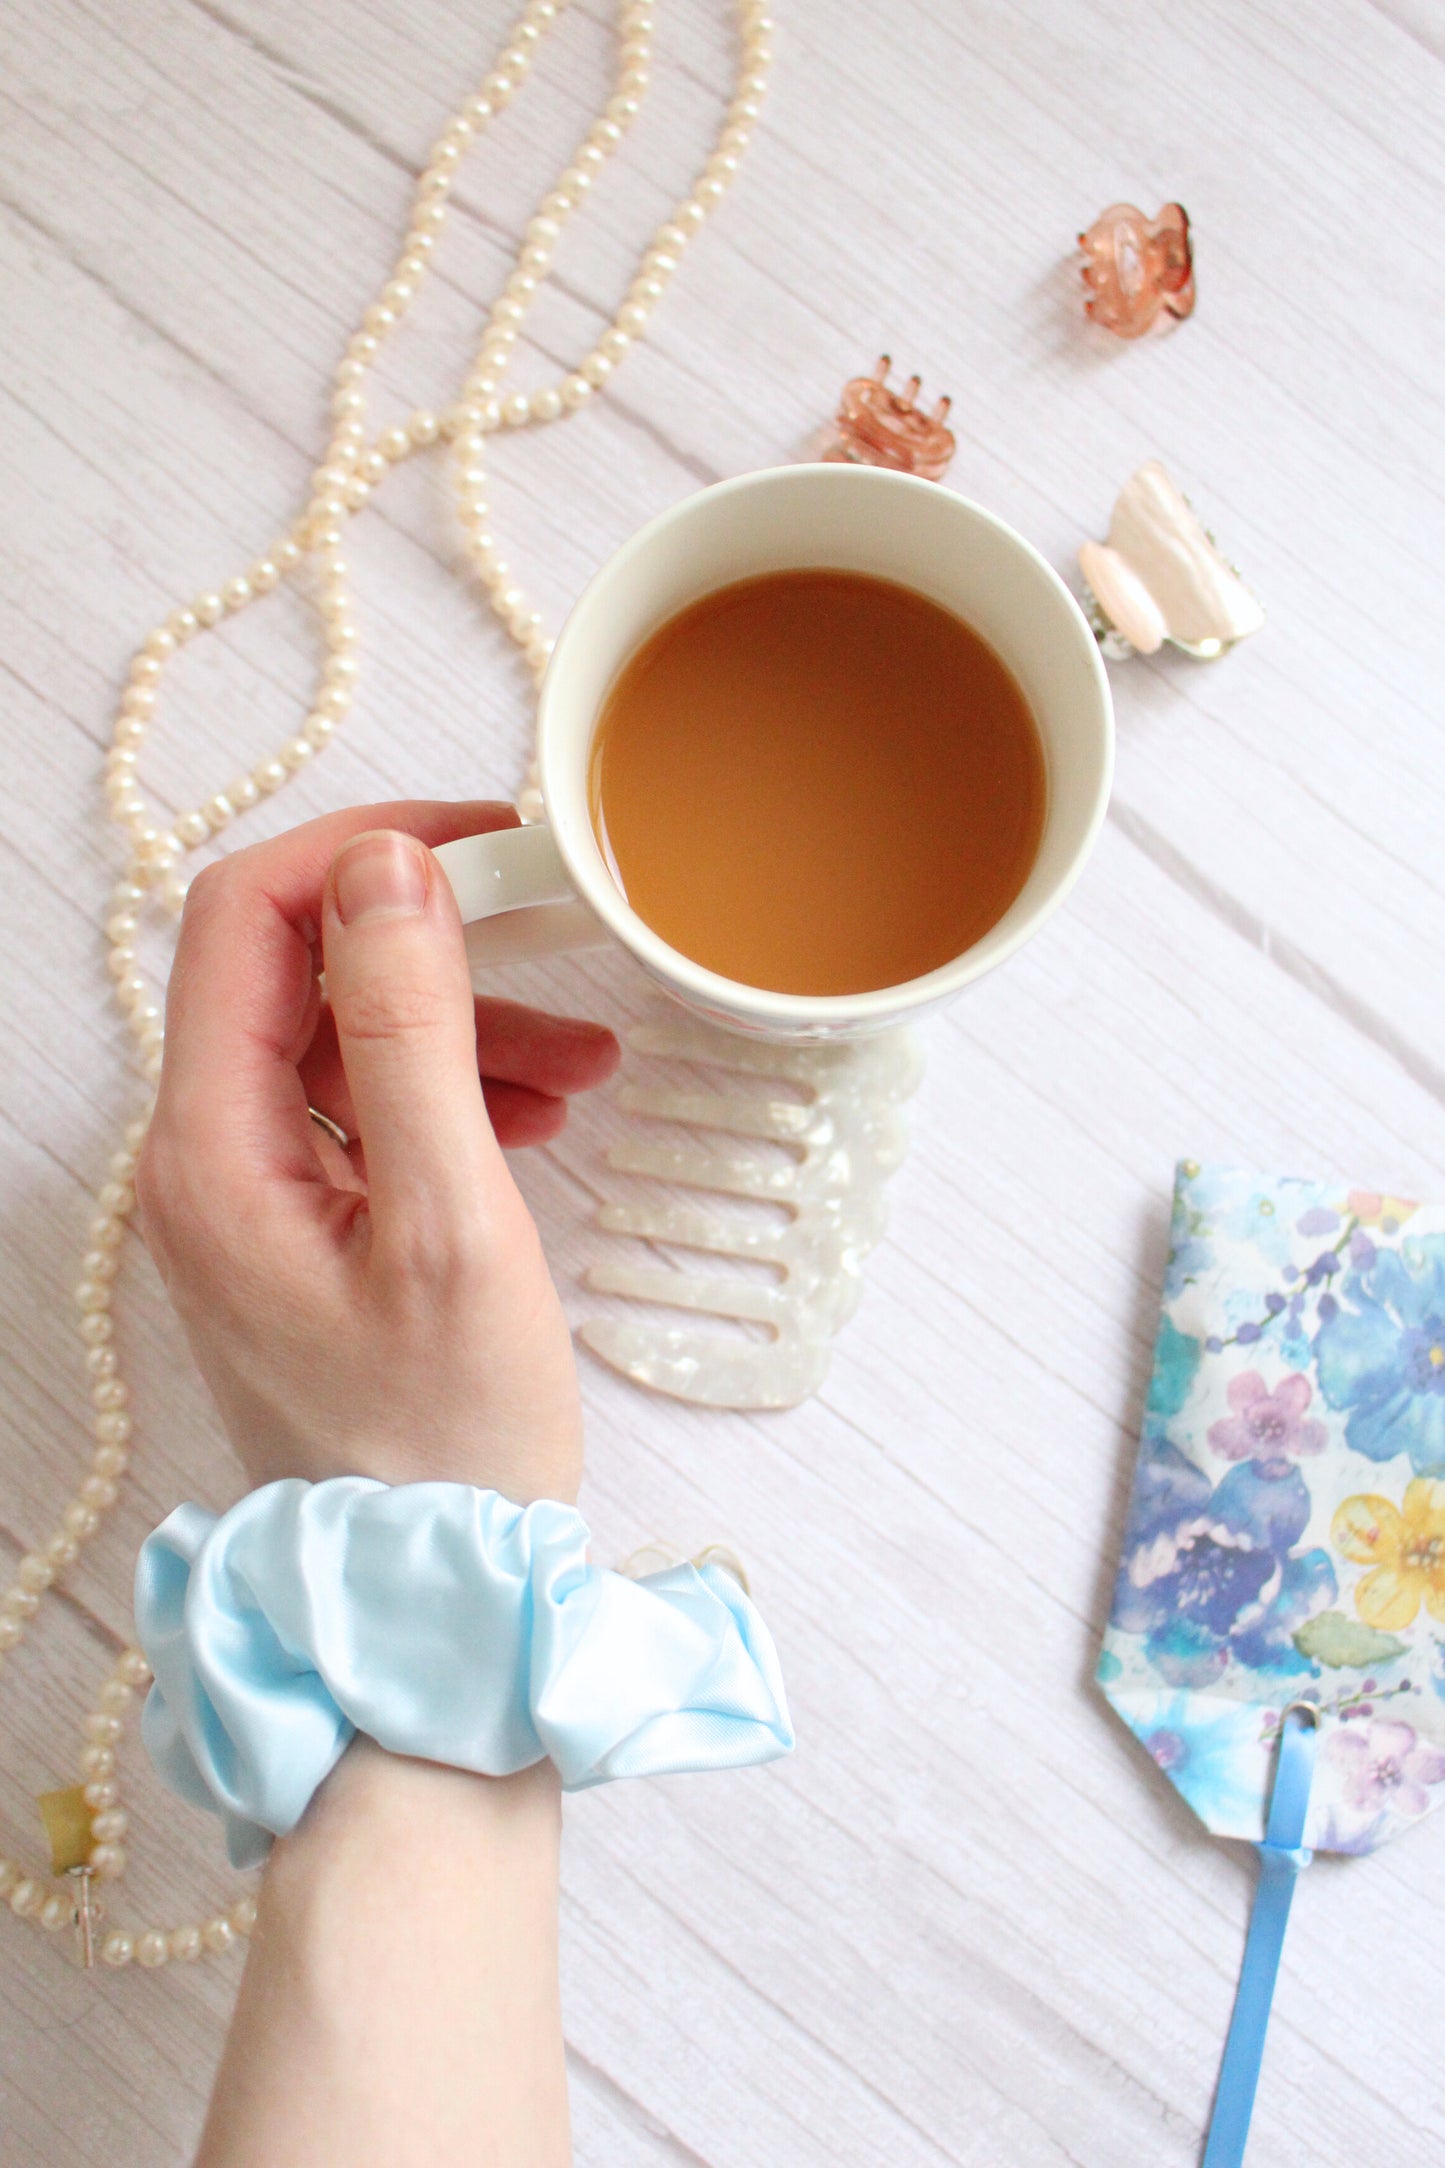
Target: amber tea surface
817 782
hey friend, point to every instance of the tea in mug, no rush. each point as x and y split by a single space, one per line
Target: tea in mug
817 782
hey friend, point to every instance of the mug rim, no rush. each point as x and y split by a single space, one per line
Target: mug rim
734 998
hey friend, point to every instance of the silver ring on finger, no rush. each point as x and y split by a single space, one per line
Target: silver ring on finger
333 1129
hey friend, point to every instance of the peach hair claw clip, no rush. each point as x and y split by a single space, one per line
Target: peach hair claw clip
879 427
1138 270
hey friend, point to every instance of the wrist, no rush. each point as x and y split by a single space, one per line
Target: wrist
408 1927
388 1790
417 1815
541 1465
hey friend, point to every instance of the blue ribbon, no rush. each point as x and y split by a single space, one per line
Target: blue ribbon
1281 1857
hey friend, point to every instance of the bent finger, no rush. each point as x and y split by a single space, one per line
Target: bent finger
520 1117
553 1054
550 1055
519 1114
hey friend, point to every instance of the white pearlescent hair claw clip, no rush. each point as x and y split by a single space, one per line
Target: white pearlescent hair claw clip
808 1133
1161 576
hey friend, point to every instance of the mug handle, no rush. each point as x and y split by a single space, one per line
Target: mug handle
516 896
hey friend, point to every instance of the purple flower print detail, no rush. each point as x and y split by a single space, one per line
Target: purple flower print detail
1294 1346
1184 1588
1209 1574
1384 1766
1268 1425
1306 1584
1319 1220
1168 1750
1340 1831
1265 1501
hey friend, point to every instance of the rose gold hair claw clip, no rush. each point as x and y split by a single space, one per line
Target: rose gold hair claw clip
1161 576
878 427
1138 270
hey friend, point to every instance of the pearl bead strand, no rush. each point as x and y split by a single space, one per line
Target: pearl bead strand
351 469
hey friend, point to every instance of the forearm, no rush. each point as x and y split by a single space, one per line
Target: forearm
400 2002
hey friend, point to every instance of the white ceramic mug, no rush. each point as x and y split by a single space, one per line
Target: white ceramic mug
524 891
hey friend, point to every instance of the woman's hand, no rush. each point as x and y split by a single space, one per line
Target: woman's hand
382 1310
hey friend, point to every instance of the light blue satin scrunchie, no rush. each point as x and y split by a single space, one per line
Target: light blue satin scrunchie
444 1622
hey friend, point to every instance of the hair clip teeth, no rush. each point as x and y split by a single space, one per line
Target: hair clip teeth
878 427
842 1139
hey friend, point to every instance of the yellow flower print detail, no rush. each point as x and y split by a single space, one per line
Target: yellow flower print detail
1405 1547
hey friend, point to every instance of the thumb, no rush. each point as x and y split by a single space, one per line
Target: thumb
401 995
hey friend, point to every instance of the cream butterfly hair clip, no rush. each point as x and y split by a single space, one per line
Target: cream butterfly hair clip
1161 576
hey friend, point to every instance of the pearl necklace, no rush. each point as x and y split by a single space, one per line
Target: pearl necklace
340 486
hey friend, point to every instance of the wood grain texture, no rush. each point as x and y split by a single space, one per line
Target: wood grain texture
966 1924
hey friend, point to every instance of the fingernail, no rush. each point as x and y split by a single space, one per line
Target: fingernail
380 876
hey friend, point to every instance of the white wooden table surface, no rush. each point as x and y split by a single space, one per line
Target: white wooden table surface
966 1923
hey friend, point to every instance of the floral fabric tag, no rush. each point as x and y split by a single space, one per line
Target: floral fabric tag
1286 1538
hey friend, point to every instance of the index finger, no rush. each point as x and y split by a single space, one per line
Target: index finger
242 999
